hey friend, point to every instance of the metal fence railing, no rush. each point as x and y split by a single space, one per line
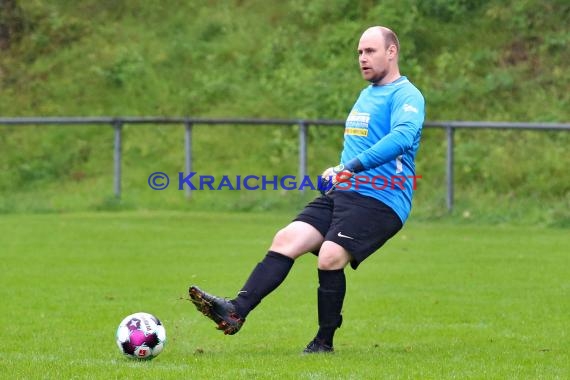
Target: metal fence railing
188 122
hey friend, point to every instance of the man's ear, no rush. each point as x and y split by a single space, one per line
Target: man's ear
392 51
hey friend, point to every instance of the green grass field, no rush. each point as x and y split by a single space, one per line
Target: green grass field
440 301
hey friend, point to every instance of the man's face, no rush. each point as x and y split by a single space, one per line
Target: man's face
373 56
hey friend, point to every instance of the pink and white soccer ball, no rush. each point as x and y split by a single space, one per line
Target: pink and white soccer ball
141 336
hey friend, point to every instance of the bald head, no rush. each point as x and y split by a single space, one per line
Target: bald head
384 34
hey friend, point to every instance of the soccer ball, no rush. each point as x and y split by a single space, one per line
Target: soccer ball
141 336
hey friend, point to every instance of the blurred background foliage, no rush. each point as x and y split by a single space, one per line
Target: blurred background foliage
473 60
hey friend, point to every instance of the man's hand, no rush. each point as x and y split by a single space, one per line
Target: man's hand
338 174
333 176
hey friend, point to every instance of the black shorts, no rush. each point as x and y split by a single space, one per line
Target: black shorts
358 223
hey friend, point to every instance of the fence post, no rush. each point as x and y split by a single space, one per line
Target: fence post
449 167
118 126
302 152
188 154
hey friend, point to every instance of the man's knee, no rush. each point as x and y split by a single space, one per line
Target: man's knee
296 239
282 238
332 256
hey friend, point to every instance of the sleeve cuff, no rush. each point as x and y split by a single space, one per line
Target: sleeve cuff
354 165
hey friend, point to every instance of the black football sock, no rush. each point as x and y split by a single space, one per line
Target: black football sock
332 288
265 278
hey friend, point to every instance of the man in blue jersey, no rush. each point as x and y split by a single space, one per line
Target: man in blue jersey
368 203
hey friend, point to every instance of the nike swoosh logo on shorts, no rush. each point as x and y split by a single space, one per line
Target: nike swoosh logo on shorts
340 234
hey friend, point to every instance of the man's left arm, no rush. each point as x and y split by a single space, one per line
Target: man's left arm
407 115
407 120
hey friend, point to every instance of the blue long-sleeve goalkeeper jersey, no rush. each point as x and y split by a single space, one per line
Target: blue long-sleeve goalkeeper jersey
383 131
